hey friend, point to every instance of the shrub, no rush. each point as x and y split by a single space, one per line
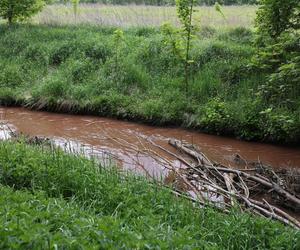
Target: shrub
280 125
276 16
214 117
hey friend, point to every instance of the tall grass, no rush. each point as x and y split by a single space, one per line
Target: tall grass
139 15
73 69
53 200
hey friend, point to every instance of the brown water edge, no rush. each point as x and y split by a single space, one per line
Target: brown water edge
127 141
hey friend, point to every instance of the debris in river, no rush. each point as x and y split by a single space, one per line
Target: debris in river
239 185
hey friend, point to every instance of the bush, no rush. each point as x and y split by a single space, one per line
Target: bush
280 126
215 118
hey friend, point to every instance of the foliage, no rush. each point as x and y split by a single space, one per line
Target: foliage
278 25
218 8
180 41
118 43
53 200
275 17
215 116
15 10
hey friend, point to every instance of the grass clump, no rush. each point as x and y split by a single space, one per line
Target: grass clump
53 200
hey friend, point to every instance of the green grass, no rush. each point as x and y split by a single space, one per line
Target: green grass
53 200
76 69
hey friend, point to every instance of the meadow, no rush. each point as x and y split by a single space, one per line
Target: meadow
51 200
143 15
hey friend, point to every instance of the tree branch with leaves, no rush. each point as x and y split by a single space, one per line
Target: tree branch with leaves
20 10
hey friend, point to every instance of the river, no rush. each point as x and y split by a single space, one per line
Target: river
127 143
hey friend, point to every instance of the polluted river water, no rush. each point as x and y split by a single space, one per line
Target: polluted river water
128 144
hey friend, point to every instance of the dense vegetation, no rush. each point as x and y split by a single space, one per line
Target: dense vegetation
57 201
136 76
278 39
165 2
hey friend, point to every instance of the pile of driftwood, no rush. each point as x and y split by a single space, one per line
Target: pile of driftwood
259 190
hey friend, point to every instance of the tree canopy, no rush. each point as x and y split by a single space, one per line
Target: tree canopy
16 10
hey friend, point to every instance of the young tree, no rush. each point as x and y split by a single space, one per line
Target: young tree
180 40
75 4
19 10
185 10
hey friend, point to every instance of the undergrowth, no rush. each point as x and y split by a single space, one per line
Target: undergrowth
53 200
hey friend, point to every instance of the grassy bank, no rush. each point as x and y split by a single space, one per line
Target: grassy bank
53 200
84 70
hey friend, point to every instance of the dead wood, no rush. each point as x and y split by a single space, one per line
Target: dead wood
235 185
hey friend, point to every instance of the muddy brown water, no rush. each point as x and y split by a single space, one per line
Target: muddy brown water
126 143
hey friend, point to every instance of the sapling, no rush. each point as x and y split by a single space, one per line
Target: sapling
180 40
118 41
75 4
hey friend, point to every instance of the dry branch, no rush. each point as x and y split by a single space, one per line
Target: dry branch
235 184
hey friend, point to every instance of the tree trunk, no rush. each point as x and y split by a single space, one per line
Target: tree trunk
10 20
10 14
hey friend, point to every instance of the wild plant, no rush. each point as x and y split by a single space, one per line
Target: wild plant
118 43
180 40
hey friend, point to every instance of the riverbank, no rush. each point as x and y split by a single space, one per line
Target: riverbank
80 70
51 199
